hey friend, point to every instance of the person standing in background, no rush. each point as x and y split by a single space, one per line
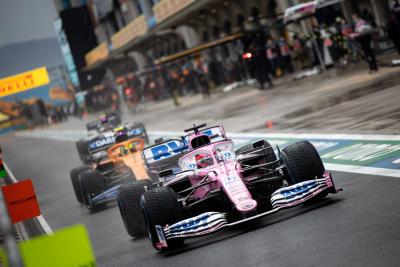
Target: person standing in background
394 25
363 35
272 55
259 66
285 53
298 53
346 30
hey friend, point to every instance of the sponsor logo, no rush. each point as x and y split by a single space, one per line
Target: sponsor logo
102 142
227 155
191 166
298 189
161 237
230 179
22 200
165 150
192 223
135 132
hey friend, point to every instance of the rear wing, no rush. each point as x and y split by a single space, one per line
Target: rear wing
107 140
164 155
137 130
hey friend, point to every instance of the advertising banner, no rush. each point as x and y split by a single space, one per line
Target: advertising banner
24 81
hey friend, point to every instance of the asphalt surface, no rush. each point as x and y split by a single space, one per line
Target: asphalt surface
358 227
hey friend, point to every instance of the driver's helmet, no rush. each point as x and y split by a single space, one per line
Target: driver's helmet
203 160
121 136
103 119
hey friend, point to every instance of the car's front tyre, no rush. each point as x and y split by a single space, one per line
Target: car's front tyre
160 207
128 199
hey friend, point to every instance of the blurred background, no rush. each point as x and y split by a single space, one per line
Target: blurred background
116 54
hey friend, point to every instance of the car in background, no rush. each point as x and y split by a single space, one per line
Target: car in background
97 183
101 136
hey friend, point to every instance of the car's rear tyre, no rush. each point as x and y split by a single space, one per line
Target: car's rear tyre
74 174
160 207
243 148
248 147
128 198
92 184
302 161
83 151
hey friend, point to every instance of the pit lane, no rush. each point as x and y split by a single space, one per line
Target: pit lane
356 227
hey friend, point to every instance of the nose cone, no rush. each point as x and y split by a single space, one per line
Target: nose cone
246 205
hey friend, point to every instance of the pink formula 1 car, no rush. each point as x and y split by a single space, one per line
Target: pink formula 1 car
218 187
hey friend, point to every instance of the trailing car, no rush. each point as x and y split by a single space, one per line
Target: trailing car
218 187
97 183
101 136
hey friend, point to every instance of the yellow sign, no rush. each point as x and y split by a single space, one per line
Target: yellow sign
24 81
68 247
96 54
3 258
134 29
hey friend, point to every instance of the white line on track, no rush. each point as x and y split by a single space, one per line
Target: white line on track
363 170
43 223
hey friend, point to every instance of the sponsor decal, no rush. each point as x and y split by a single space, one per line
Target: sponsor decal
191 223
102 143
68 247
21 201
191 166
247 205
298 189
161 237
164 150
230 179
201 224
227 155
135 132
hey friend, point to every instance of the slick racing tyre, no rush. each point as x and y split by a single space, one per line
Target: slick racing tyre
92 184
302 161
74 174
271 157
243 148
160 207
83 151
128 198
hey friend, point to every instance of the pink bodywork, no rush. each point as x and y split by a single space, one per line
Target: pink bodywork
225 173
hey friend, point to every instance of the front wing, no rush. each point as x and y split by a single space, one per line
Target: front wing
211 222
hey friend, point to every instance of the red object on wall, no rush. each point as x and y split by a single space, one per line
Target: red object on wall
21 201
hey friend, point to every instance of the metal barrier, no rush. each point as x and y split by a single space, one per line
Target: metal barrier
10 234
